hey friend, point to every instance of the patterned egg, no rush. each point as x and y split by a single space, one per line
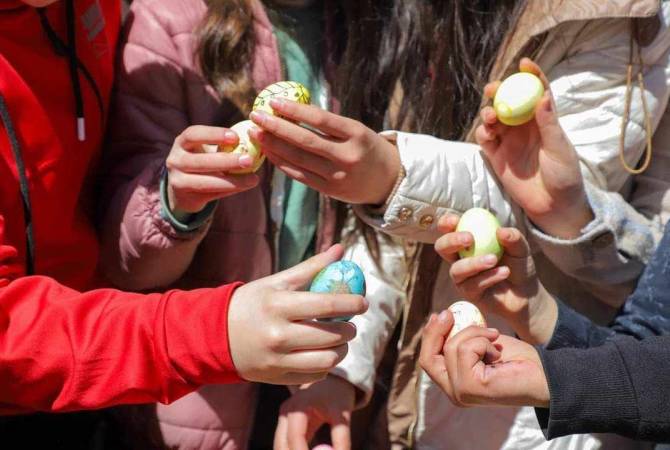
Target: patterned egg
246 146
465 314
340 277
516 98
483 226
288 90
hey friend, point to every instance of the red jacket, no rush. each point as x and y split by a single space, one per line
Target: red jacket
61 349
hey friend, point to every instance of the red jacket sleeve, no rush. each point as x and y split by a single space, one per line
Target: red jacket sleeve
62 350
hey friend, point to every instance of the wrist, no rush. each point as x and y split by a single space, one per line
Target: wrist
565 222
394 176
539 322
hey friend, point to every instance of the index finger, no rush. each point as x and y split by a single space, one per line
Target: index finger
327 122
340 433
194 137
311 305
528 65
298 430
281 433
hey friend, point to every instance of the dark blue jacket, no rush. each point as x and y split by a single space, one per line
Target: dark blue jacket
614 379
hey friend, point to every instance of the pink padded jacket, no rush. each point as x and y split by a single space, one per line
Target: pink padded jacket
160 92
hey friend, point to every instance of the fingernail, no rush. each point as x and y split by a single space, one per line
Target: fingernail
431 319
245 161
490 259
276 103
444 315
258 117
465 239
493 330
230 135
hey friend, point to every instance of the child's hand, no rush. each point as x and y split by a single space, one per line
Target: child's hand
478 366
329 401
510 289
272 332
537 164
344 160
197 176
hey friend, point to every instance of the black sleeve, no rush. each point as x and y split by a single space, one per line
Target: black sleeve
621 387
645 313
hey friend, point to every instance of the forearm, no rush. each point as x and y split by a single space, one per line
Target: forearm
440 177
62 350
141 249
622 389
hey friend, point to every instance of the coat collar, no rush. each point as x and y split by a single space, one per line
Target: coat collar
542 16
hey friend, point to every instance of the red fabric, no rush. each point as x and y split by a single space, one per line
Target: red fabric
61 349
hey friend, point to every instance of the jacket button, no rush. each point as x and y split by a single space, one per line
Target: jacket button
405 214
426 221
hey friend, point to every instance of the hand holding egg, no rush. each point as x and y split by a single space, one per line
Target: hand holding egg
531 155
332 154
504 285
479 366
198 174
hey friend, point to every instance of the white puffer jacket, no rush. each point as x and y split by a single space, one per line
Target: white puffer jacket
585 58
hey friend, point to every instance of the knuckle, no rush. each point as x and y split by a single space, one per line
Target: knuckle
275 338
308 141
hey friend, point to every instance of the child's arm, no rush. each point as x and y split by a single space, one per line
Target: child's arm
619 387
512 291
351 383
509 288
153 170
446 176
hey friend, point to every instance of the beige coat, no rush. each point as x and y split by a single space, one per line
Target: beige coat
583 47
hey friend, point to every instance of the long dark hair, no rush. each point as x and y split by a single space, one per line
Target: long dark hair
438 52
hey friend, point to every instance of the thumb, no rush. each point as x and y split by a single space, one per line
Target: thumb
551 133
301 275
513 242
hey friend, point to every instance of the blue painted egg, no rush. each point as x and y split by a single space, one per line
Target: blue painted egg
340 277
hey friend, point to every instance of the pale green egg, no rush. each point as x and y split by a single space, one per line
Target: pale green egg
517 97
483 226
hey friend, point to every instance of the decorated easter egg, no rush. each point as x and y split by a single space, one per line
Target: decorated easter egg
483 226
516 98
340 277
465 314
287 90
246 146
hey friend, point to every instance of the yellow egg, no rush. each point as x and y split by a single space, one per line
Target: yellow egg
483 226
516 98
246 146
288 90
465 314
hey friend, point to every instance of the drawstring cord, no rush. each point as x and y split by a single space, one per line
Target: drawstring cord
645 109
74 73
23 185
69 50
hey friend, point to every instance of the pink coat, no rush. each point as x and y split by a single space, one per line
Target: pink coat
160 92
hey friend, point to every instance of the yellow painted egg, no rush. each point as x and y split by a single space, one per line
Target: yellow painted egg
483 226
287 90
246 146
516 98
465 314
